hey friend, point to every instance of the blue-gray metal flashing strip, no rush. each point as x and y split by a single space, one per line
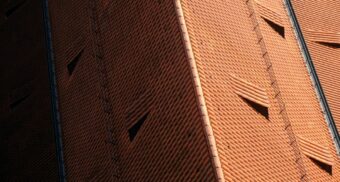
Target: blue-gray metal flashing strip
315 78
54 93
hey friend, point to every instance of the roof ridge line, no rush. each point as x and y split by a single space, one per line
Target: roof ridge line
199 94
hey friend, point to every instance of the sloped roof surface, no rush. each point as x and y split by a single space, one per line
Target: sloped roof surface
254 41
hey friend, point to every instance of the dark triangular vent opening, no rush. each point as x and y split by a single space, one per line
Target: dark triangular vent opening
258 108
72 65
136 127
11 10
332 45
18 101
277 28
323 166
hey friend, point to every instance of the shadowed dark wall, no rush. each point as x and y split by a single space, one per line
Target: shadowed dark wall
26 131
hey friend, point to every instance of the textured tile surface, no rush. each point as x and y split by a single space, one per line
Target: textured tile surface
251 147
134 66
134 62
319 21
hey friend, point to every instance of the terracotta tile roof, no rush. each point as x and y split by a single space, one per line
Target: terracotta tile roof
159 95
248 46
134 62
319 23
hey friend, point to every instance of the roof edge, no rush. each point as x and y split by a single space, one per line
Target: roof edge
199 94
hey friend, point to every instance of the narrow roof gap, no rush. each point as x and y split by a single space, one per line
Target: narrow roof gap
276 27
329 44
136 127
13 9
325 167
18 101
258 108
72 65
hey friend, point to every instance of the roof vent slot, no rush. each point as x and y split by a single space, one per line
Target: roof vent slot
331 45
319 154
19 95
330 39
138 112
272 17
14 8
136 127
276 27
258 108
327 168
72 65
256 97
18 101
